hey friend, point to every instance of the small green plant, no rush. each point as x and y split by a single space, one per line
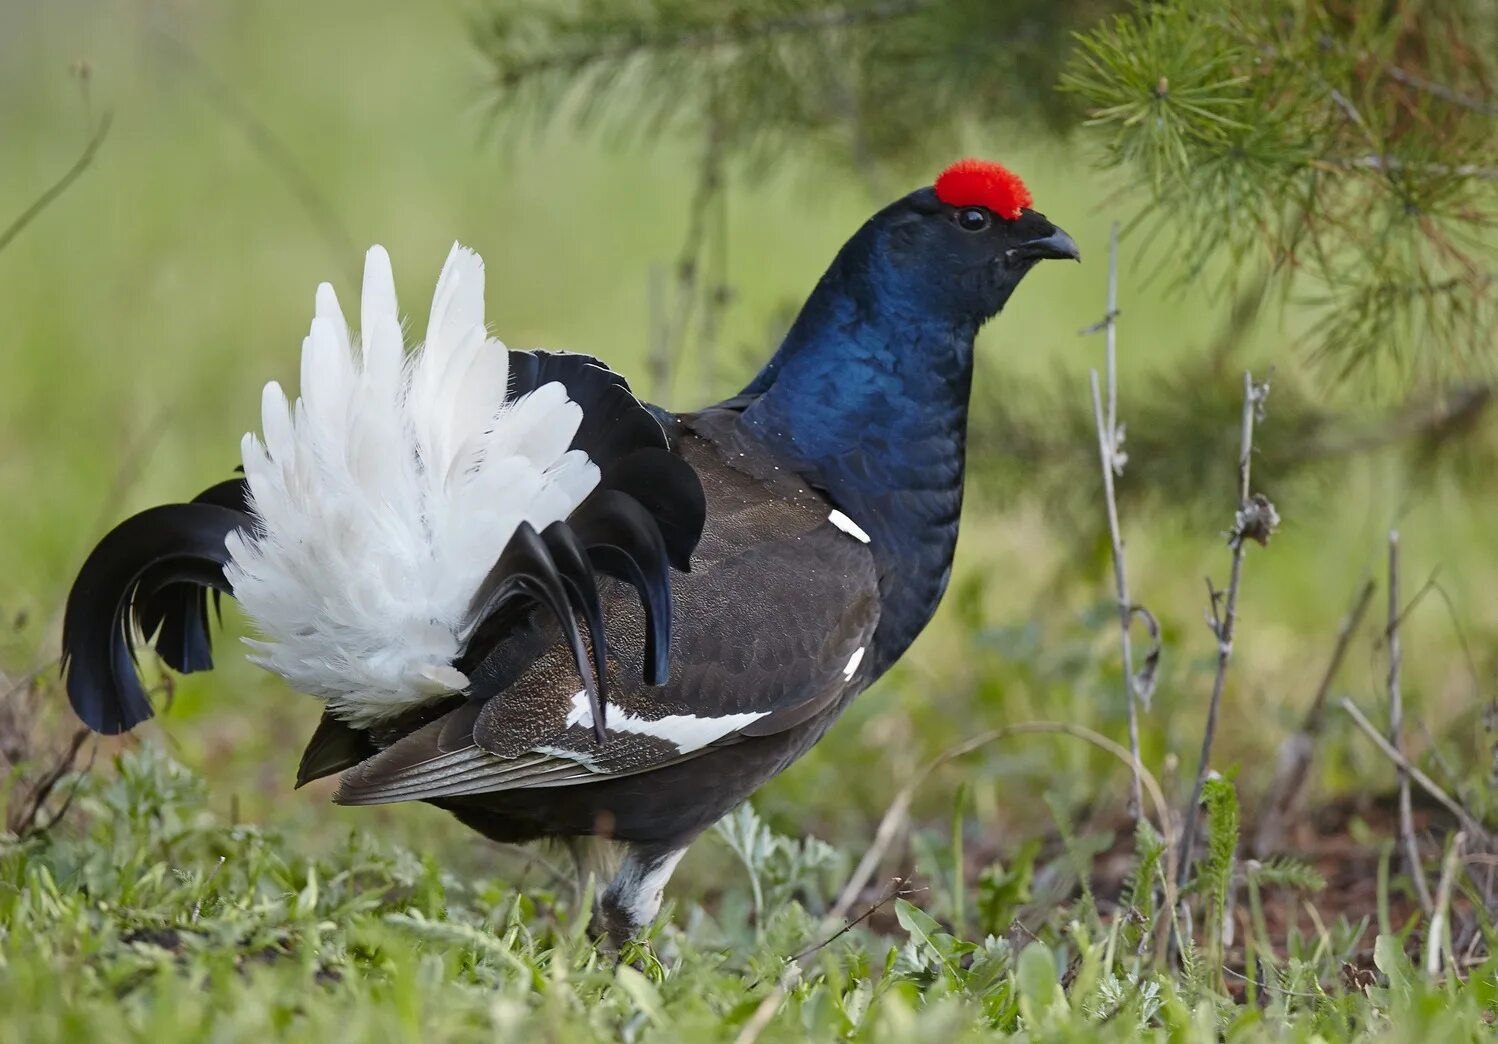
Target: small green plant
1216 877
168 923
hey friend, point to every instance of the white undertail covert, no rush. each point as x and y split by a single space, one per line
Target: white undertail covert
386 492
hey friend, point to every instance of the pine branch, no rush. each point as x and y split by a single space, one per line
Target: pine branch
1441 91
654 35
1278 132
1395 164
877 82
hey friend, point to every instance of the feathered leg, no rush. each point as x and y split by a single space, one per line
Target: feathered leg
592 858
633 897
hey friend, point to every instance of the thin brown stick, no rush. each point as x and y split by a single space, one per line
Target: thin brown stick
658 351
276 153
1391 163
675 328
1396 730
58 187
1469 822
1316 715
894 816
896 889
1439 940
1224 624
1295 756
1111 462
1440 90
26 823
772 1000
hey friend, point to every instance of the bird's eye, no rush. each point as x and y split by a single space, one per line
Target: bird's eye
973 219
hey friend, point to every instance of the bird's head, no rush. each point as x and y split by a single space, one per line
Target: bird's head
901 303
959 247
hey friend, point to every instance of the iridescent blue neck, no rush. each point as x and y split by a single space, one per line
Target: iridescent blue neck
868 399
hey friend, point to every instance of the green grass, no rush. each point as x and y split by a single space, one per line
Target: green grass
143 311
152 918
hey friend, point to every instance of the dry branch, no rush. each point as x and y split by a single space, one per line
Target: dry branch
1255 520
1294 766
1439 940
35 757
1469 822
58 187
895 815
269 146
1112 462
1396 730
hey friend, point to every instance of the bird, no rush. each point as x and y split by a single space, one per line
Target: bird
527 597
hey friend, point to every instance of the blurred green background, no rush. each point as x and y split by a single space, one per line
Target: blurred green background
258 148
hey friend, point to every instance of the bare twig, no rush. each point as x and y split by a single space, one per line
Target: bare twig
58 187
1112 461
674 328
277 155
716 291
1387 164
1396 729
658 351
1346 105
1255 519
792 970
1414 603
1439 939
1433 585
62 809
895 815
1316 716
28 822
1469 822
1440 90
897 888
1295 756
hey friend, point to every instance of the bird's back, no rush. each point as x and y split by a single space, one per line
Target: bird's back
770 628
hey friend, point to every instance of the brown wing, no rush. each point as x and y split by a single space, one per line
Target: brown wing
769 627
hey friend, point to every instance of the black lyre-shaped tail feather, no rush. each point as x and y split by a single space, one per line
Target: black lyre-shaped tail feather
153 571
624 541
570 559
178 613
644 517
526 574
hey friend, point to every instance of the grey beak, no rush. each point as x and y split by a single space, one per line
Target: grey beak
1057 245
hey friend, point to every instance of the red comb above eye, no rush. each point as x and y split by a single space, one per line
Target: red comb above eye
977 183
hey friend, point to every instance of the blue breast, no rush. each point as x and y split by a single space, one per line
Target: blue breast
868 398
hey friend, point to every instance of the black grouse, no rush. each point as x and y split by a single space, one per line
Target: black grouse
530 599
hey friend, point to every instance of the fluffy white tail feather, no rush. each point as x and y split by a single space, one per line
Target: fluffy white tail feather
386 492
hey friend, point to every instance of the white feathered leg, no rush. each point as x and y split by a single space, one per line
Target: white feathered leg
633 898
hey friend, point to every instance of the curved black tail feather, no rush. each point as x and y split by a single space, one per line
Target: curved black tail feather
645 516
152 571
